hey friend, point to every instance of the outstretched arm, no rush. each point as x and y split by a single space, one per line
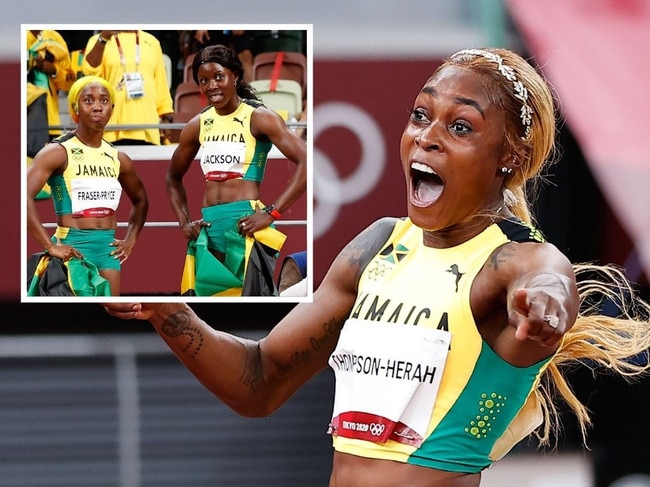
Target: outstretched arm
543 298
254 378
538 300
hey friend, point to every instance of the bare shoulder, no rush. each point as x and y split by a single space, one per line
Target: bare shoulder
53 157
124 158
51 149
188 144
262 111
265 121
191 129
373 236
525 257
508 264
361 249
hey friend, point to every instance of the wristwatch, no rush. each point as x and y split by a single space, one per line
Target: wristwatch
101 39
271 210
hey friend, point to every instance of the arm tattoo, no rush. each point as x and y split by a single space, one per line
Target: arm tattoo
181 324
359 257
252 373
331 330
501 256
363 248
298 357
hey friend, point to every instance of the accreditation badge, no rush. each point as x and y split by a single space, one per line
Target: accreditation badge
134 84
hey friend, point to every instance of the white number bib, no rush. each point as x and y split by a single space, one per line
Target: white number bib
90 193
387 380
223 158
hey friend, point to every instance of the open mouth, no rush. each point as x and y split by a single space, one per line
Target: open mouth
427 185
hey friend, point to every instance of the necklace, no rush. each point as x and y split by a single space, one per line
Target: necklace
76 133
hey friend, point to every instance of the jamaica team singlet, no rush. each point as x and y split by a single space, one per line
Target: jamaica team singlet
228 148
89 186
434 394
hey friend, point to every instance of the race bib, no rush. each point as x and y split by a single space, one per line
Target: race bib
387 380
223 160
92 193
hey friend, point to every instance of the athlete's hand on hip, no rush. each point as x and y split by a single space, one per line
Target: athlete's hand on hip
123 249
192 229
63 251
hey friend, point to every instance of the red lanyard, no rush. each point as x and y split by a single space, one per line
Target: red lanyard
137 50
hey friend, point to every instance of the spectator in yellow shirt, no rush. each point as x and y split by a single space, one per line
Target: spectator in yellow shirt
50 69
132 63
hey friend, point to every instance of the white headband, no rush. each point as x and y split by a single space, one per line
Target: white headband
526 113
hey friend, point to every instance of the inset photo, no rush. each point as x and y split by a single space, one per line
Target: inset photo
167 163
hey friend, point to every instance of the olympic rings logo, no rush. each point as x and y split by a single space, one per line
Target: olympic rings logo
376 271
330 189
376 429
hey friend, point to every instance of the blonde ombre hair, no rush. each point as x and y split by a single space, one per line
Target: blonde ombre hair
619 344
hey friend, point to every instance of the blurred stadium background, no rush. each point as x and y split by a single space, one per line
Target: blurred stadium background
86 400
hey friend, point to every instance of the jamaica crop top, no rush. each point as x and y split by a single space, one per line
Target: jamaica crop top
228 148
89 186
415 382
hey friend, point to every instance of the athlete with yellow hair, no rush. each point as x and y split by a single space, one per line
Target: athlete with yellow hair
87 175
75 91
